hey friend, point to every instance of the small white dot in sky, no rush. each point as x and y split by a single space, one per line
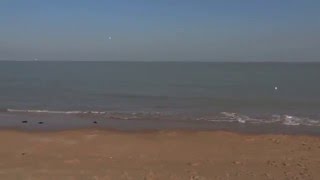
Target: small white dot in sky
275 88
110 37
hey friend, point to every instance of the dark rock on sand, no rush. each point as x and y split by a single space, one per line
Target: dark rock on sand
236 162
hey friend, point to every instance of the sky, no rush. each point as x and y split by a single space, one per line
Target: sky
160 30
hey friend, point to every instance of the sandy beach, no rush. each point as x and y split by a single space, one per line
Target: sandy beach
106 154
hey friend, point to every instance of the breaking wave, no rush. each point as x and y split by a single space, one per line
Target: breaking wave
101 114
227 117
280 119
53 112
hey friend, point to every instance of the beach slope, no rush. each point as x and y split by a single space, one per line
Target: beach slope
98 154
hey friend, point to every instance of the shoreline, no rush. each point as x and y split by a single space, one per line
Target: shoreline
122 122
167 154
155 131
289 131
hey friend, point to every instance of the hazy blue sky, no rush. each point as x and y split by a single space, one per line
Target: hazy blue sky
170 30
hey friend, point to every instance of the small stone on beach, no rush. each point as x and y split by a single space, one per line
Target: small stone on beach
237 162
277 141
285 164
95 122
24 121
40 122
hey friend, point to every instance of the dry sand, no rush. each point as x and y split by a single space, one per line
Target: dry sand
97 154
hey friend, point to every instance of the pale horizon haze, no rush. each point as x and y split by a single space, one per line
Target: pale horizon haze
140 30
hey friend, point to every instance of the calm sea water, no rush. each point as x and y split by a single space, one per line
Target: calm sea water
286 94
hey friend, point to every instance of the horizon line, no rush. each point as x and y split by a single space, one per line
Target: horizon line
168 61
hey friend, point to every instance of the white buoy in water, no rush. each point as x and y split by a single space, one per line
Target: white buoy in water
275 88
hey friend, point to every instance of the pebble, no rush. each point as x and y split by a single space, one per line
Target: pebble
285 164
272 163
300 165
277 141
237 162
195 177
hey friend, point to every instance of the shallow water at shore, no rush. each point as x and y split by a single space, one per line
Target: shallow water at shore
44 120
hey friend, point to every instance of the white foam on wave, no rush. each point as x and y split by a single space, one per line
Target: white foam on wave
291 120
240 120
221 120
229 114
97 112
229 117
295 121
102 114
53 112
283 119
238 117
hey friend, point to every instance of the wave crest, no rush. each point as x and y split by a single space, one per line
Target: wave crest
230 117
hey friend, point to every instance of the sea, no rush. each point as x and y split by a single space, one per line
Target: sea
266 97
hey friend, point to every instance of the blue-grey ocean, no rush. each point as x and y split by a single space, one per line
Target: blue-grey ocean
266 97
